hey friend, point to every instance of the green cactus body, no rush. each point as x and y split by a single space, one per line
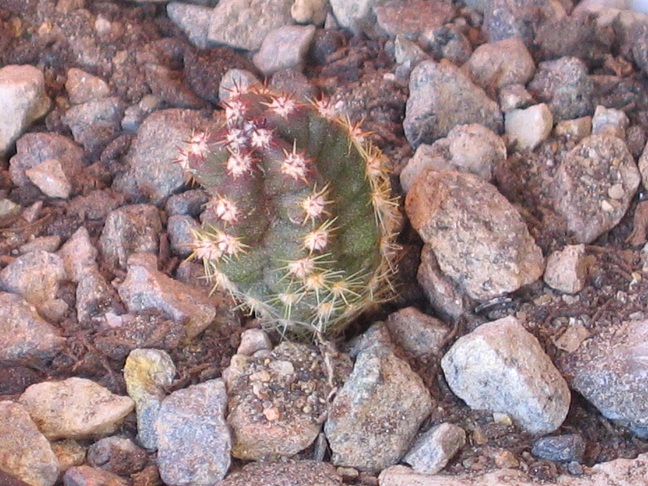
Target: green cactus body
301 222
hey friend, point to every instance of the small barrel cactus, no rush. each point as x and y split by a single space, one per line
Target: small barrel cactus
300 224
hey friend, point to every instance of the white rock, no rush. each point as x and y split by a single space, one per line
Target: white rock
529 127
349 13
49 177
193 20
75 408
566 269
22 101
502 368
435 448
309 11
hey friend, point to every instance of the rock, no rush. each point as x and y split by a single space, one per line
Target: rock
609 369
188 203
49 177
351 14
377 412
575 334
230 21
94 298
530 127
48 244
158 140
78 254
32 149
148 373
83 87
168 86
468 148
560 448
407 54
75 408
445 295
89 476
576 129
594 185
309 11
272 412
130 229
620 471
311 473
504 19
235 79
609 121
502 368
181 230
193 20
35 276
497 64
253 340
26 453
566 269
643 167
24 335
416 332
413 19
69 453
514 96
95 123
284 48
118 455
565 87
193 439
147 289
479 240
441 97
448 42
22 101
432 450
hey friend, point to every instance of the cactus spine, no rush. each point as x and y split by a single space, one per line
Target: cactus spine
301 223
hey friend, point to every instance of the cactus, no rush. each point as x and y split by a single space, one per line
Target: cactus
301 222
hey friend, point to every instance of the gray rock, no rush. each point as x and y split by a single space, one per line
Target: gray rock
566 269
468 148
513 97
272 412
407 54
146 289
35 276
193 20
83 87
560 448
609 370
33 149
501 367
181 234
445 296
253 340
643 167
432 450
309 11
235 79
94 298
311 473
130 229
352 14
118 455
504 19
26 453
376 414
89 476
441 97
416 332
565 87
284 48
594 185
24 334
497 64
190 203
412 19
620 471
529 127
609 121
49 177
480 241
193 439
148 373
75 408
95 123
153 154
78 254
22 101
243 24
